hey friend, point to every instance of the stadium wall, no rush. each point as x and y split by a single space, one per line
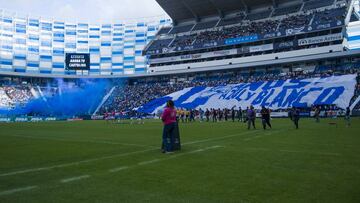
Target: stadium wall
319 53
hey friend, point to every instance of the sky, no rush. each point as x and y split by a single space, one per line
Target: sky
87 11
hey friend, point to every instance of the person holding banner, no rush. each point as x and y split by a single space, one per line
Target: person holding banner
170 126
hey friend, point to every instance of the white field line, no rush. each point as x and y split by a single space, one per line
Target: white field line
113 156
9 192
149 162
75 163
295 151
172 156
118 169
84 141
67 180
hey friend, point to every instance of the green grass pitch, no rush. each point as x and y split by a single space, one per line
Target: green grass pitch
95 161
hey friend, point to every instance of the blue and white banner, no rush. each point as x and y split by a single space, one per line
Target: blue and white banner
281 94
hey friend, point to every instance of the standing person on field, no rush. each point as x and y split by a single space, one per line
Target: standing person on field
220 113
207 114
201 112
317 114
192 115
182 115
265 116
233 114
295 115
240 115
169 119
226 114
187 114
251 115
347 116
214 115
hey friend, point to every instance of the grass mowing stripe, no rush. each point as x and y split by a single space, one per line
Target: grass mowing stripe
85 141
219 138
77 178
171 156
263 135
310 152
75 163
117 155
67 180
295 151
9 192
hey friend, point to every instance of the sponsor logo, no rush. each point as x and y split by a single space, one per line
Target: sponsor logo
323 26
196 56
270 35
283 45
5 119
295 31
36 119
21 119
320 39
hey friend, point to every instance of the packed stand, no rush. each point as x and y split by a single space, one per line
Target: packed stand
19 94
127 97
243 28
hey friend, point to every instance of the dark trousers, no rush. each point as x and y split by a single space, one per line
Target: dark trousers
266 121
296 122
168 137
251 121
317 118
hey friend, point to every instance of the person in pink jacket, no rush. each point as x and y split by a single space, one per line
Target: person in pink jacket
169 119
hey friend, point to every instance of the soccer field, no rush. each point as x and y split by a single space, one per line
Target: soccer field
95 161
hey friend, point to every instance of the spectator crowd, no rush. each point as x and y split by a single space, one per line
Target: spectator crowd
243 28
128 97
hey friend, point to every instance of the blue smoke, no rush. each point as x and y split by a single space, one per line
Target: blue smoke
67 101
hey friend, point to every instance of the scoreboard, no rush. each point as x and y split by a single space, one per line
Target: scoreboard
76 61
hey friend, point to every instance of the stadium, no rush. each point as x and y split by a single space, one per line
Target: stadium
216 101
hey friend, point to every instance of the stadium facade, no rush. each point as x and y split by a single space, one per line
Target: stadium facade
37 46
207 43
271 34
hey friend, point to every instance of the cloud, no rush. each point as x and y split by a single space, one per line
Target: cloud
67 12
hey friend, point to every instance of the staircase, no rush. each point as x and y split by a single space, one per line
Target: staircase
106 97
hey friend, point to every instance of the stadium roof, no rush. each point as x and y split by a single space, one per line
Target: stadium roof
182 10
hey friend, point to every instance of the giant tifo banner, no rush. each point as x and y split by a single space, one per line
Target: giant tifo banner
279 94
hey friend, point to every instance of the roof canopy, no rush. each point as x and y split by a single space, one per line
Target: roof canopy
183 10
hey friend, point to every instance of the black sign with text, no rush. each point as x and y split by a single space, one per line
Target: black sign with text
75 61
